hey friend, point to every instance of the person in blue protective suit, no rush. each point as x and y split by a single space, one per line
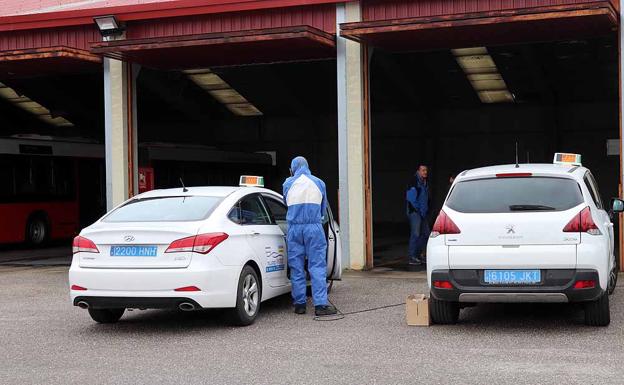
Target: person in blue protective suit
417 201
306 198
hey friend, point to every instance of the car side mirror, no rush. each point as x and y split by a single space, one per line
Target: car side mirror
617 205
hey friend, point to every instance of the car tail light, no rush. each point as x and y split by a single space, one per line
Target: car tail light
201 243
187 288
76 287
585 284
84 245
444 225
443 284
582 223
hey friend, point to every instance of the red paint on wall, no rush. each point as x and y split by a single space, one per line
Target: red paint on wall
322 17
399 9
74 37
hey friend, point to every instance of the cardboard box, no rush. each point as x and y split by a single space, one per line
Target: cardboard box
417 310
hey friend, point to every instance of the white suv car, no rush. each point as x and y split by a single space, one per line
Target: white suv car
523 233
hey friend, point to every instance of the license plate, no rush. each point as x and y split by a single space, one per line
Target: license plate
133 251
512 277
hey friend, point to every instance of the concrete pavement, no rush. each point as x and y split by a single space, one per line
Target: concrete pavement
44 339
57 253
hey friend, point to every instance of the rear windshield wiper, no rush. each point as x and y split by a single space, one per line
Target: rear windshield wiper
530 207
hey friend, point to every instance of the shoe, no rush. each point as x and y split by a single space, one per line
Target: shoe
413 267
300 309
325 310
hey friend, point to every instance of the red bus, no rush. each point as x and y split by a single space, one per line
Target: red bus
51 188
48 188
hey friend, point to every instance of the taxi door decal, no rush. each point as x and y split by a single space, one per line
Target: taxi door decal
275 258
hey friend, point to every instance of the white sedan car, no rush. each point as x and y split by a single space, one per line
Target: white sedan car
523 233
188 249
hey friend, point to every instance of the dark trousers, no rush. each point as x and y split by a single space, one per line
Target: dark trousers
419 233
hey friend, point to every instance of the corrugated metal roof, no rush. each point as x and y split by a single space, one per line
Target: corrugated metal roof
33 14
26 7
398 9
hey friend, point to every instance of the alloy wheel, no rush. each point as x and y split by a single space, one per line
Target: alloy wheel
250 295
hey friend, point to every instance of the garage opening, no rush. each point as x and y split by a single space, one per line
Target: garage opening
209 125
456 109
51 153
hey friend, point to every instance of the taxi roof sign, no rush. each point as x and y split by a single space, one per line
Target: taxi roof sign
251 181
568 159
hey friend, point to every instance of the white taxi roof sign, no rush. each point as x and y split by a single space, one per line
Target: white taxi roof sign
567 158
251 181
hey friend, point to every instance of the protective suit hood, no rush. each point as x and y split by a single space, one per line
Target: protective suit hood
299 166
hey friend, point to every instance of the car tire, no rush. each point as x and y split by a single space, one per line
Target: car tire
443 312
597 312
37 230
106 316
248 298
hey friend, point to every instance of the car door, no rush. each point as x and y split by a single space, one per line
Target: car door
277 211
334 249
605 220
265 238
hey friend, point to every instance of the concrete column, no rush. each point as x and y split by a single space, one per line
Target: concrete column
351 141
120 131
621 116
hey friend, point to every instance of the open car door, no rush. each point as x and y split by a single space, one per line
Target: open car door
332 232
334 250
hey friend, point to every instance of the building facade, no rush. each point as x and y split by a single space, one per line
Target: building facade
373 45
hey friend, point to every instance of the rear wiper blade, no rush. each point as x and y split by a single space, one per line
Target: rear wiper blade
530 207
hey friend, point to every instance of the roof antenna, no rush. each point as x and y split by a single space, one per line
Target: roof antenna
184 189
528 157
517 165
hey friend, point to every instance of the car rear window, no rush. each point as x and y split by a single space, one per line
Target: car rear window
165 209
502 195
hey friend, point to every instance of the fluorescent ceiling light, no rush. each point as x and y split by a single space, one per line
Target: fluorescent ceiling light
481 71
222 92
228 96
32 107
244 109
500 96
470 51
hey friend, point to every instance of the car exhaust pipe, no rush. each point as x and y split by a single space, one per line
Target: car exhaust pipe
186 306
83 305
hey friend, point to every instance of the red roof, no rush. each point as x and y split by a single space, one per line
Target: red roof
32 14
24 7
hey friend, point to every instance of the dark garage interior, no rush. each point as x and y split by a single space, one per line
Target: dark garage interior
220 118
424 109
46 109
184 131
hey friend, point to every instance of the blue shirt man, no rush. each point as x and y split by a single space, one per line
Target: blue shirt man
417 202
306 198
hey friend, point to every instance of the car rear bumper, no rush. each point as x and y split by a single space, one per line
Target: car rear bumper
134 302
155 288
557 286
